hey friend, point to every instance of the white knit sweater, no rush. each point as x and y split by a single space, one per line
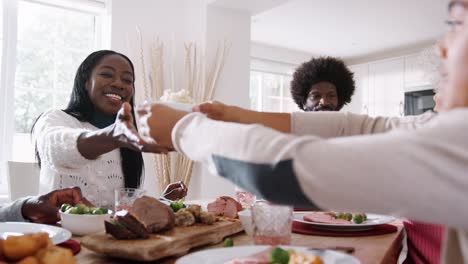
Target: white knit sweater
62 165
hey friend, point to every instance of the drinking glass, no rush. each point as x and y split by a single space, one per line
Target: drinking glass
272 223
245 198
124 197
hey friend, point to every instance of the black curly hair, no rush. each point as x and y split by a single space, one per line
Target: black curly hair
322 69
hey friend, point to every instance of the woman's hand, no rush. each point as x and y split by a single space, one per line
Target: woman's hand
157 121
44 209
126 135
121 134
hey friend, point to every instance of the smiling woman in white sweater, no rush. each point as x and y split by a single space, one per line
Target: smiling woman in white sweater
93 143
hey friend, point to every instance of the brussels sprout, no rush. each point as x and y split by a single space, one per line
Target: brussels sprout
339 215
348 216
103 210
358 218
72 210
279 256
365 216
99 211
177 205
64 207
82 209
228 242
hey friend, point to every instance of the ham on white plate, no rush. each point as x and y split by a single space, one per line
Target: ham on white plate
325 217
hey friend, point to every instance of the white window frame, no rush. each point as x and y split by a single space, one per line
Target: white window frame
264 66
99 8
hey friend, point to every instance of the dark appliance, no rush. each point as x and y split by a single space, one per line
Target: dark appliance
418 102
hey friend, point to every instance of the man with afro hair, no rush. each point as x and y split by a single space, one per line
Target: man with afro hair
322 84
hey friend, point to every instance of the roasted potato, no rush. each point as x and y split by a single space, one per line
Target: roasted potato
29 260
207 218
196 210
184 217
18 247
2 255
55 255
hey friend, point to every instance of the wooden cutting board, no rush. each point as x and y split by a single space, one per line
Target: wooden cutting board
175 242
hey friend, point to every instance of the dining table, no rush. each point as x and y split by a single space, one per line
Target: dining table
367 249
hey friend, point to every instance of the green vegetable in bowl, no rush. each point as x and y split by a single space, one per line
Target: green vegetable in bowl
279 256
64 207
72 210
228 242
177 205
82 209
100 211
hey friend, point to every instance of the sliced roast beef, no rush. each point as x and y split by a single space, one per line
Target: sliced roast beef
132 223
155 215
225 206
118 230
320 217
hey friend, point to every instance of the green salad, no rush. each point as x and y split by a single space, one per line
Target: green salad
82 209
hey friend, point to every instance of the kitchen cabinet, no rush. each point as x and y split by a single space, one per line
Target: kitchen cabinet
379 88
415 75
359 101
386 88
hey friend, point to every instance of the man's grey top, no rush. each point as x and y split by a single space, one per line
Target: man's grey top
12 211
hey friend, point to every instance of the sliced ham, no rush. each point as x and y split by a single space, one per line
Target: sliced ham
238 205
257 258
225 206
319 217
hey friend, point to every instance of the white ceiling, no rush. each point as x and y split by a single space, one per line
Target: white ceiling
252 6
350 29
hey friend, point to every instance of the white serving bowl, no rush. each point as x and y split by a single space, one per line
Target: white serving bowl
245 216
84 224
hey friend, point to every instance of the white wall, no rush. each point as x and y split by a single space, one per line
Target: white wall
177 22
173 22
233 85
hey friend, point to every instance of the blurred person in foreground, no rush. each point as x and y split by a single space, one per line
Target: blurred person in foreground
350 163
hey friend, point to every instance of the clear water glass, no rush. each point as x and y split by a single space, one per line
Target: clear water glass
124 197
272 223
245 198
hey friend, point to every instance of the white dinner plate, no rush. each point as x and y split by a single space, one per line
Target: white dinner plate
56 234
222 255
372 221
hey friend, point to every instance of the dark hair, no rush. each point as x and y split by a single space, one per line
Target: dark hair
81 107
322 69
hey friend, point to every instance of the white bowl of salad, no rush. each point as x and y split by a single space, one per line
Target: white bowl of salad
83 220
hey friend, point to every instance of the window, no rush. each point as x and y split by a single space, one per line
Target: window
270 87
49 39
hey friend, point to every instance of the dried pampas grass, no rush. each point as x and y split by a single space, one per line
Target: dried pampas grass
174 167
